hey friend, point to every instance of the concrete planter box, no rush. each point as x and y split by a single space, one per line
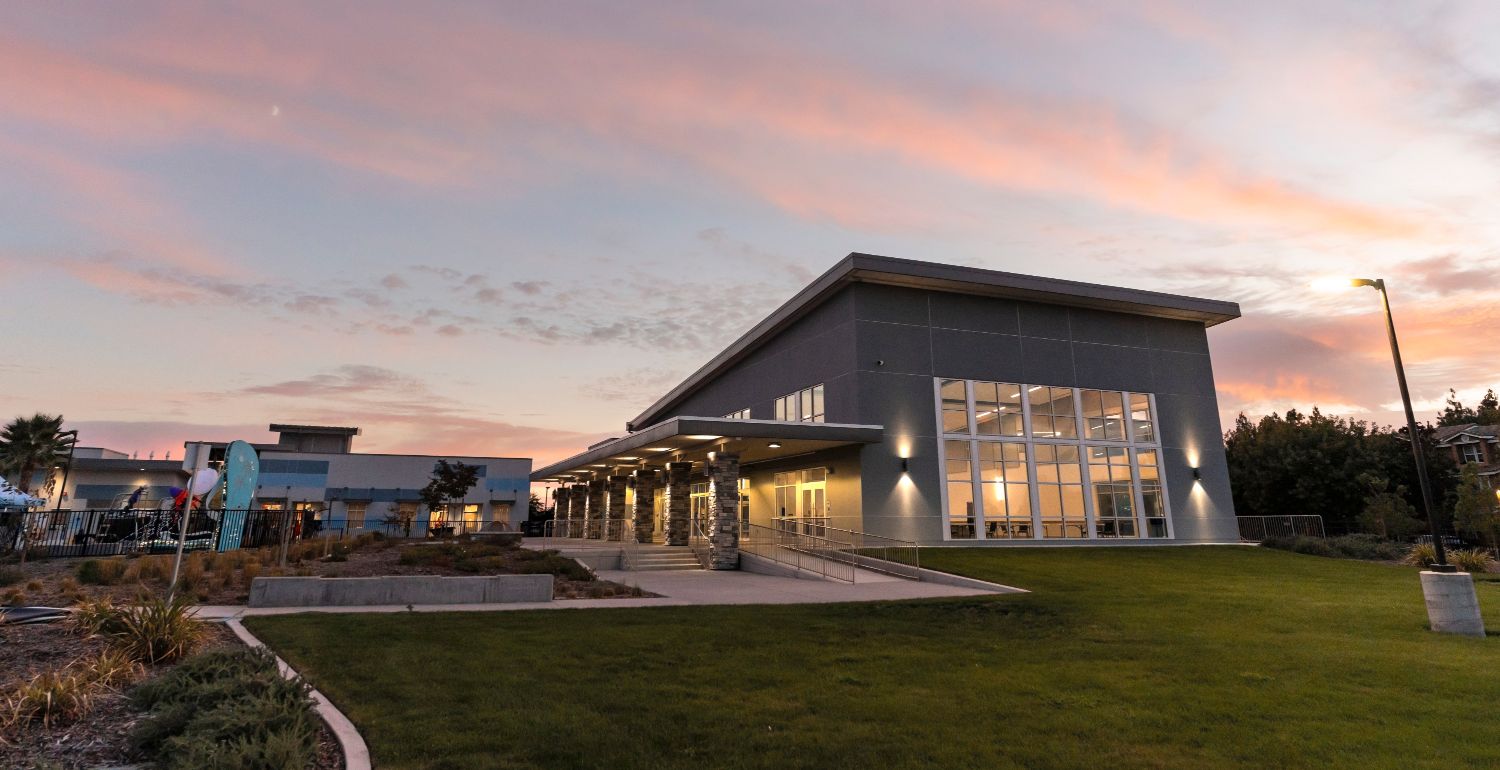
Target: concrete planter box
398 590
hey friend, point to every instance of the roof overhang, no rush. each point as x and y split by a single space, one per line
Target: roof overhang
690 439
871 268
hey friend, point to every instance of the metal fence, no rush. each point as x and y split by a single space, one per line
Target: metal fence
1254 529
64 533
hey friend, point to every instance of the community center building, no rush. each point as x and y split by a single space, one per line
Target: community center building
931 403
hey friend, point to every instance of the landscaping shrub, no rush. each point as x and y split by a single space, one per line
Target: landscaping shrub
249 571
101 572
11 576
1471 559
226 709
156 630
95 616
66 694
550 563
13 597
1311 546
1421 555
1369 547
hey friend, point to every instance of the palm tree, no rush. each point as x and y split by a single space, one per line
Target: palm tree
29 444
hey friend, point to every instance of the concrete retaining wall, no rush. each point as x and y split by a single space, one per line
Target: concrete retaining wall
397 590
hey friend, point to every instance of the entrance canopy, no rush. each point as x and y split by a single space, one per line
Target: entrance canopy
690 439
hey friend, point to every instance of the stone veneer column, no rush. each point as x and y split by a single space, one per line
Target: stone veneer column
645 492
559 510
578 504
595 509
614 506
677 503
723 511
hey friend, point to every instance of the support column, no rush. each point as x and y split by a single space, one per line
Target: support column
723 511
578 503
645 492
559 512
677 503
614 506
595 525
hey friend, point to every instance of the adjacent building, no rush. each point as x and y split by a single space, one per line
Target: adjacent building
931 403
1476 444
312 469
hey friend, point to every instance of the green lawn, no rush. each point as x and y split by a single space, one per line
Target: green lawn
1159 657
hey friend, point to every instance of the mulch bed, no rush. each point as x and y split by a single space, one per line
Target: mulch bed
371 561
100 739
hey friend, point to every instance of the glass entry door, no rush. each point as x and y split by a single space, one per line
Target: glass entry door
802 500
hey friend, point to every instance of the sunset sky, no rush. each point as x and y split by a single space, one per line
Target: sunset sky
476 229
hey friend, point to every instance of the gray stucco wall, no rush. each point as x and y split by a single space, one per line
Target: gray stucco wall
877 349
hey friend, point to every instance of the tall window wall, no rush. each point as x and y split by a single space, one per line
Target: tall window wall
1038 461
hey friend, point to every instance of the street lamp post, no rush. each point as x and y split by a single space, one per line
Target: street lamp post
1440 554
1452 605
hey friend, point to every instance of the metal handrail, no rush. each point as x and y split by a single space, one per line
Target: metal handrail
873 552
698 542
808 553
627 540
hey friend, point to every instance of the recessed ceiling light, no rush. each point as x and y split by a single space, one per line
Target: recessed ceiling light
705 438
658 449
774 445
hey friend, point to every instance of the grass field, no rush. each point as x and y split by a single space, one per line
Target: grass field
1121 658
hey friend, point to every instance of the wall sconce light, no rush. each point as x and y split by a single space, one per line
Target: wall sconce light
1197 475
905 466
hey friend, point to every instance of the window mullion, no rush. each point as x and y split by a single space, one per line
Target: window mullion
978 485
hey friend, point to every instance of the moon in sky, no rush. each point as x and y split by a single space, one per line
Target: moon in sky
275 110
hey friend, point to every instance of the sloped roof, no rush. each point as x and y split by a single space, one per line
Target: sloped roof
872 268
1448 433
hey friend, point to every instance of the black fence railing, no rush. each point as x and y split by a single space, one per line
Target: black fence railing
66 533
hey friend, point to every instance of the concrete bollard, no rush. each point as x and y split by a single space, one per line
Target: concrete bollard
1452 604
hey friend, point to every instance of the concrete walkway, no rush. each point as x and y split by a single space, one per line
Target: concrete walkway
676 589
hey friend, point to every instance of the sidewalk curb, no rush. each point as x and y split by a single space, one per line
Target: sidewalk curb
356 753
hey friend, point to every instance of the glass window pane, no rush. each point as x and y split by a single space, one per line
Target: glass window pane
961 511
1141 419
817 393
1017 500
990 468
957 460
955 407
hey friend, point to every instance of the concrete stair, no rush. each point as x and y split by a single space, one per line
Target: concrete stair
661 557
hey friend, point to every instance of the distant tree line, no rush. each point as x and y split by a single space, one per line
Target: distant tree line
1357 475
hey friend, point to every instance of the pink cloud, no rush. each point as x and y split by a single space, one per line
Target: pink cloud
478 97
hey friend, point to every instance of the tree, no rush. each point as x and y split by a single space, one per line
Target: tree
450 481
1475 512
1387 513
1455 413
1312 463
1489 409
30 444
